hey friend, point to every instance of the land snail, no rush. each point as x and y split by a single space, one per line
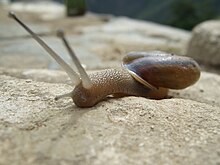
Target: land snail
145 74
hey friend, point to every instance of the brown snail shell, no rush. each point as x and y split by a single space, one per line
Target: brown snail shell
159 69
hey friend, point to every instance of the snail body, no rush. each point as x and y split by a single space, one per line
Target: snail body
144 74
116 82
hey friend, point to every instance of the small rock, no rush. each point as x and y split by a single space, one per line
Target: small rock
204 45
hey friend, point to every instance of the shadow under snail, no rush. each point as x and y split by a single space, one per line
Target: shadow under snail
146 74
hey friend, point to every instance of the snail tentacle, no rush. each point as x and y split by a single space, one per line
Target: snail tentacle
84 76
71 73
64 95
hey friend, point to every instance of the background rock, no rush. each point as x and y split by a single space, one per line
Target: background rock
99 41
121 35
48 10
204 45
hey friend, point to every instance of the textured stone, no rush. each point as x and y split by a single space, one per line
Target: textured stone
35 129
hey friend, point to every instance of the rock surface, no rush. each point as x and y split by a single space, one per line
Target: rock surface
35 129
204 45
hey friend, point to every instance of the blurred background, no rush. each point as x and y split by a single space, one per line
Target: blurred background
102 32
183 14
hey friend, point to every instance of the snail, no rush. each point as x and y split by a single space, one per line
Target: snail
145 74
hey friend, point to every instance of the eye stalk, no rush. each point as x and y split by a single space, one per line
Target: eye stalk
84 76
71 73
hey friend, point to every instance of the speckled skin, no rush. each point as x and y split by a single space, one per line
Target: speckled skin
112 81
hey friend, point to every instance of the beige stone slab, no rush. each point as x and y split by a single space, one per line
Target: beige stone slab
35 129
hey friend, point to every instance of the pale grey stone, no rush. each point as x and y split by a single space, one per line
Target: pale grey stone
204 45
